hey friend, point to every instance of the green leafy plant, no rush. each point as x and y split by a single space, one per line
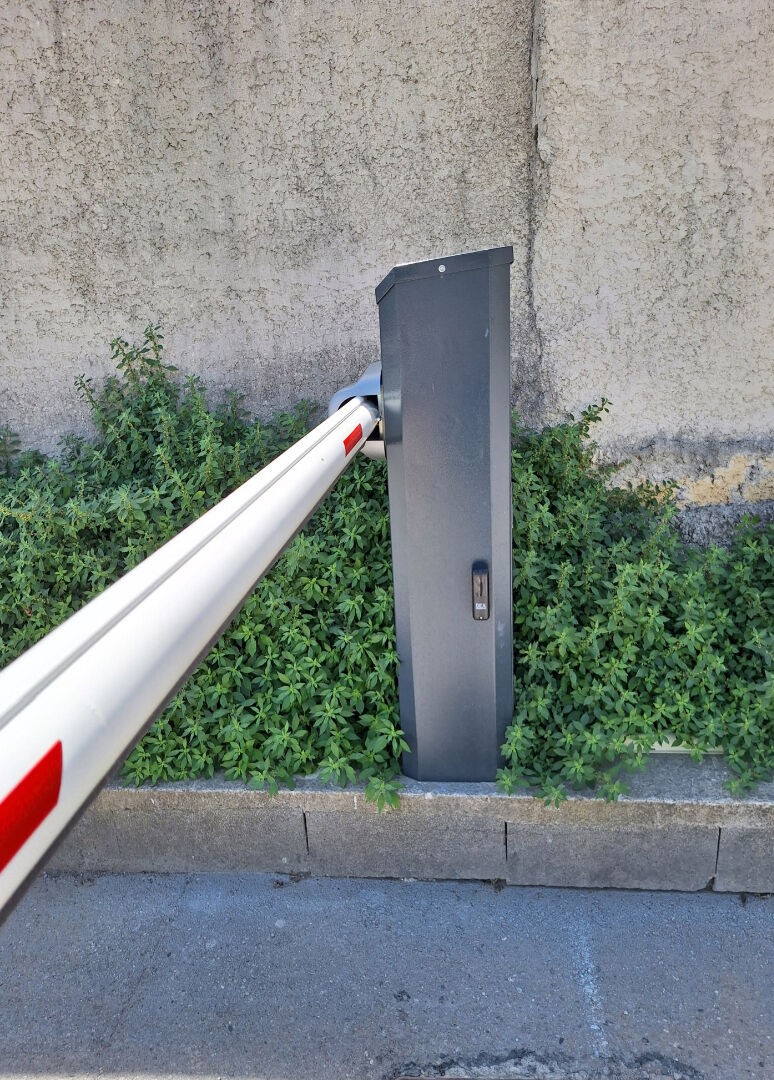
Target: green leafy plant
623 635
304 678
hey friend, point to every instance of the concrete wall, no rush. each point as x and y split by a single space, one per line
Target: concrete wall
246 173
654 231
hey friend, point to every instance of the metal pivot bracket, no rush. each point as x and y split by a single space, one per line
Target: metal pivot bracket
368 386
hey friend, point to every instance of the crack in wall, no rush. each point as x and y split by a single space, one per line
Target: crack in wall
531 393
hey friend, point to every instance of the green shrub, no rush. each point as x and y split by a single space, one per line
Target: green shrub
623 636
304 678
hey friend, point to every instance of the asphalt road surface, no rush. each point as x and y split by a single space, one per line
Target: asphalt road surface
268 977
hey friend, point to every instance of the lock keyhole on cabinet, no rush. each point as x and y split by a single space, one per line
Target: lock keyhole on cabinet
480 590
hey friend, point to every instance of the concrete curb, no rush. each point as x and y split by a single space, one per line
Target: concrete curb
678 828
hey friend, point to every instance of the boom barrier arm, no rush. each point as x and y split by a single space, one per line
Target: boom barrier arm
74 704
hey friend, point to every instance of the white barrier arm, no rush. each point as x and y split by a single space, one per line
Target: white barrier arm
73 705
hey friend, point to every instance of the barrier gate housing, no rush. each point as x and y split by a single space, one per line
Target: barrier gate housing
439 409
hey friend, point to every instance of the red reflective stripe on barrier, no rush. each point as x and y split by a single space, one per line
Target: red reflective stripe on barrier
353 439
30 803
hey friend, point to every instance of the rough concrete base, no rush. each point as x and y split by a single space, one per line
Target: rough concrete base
705 525
676 829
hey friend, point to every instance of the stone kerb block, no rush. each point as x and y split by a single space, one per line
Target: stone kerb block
678 828
405 845
171 834
611 857
745 860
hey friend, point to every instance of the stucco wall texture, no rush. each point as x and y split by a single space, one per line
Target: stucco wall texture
245 173
654 231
